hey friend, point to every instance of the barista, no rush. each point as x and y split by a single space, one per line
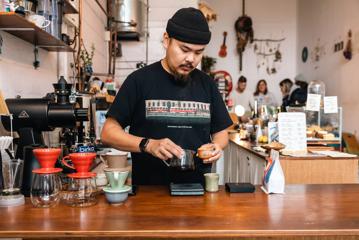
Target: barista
170 106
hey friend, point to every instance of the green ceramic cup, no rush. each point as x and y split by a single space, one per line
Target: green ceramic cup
211 182
116 177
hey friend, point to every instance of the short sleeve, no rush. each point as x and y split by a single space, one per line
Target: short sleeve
220 119
123 107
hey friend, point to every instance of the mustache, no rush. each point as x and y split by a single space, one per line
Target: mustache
188 65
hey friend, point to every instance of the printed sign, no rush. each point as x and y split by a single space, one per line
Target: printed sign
292 131
331 104
313 102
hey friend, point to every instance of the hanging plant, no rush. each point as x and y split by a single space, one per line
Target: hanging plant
86 59
207 64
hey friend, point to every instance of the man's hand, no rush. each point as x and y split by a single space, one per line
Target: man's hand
163 149
216 154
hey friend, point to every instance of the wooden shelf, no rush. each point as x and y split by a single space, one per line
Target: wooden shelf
29 32
69 8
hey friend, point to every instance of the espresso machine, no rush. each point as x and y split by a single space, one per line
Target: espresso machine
33 116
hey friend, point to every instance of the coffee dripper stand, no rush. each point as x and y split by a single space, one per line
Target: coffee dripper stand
11 179
11 175
46 183
80 191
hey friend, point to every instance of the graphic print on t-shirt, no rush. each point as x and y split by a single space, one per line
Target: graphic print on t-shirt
178 112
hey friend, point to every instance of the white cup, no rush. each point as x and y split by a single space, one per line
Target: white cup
39 20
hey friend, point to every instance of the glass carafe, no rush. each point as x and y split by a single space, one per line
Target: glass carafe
45 189
80 192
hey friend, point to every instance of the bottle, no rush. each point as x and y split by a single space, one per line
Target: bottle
255 110
258 132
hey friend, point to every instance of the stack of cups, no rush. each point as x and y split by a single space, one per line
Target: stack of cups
117 172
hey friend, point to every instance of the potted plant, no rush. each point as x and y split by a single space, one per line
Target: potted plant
86 65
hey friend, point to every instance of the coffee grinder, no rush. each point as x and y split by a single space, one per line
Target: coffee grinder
32 116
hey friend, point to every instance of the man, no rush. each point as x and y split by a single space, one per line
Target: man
286 90
240 95
299 96
170 106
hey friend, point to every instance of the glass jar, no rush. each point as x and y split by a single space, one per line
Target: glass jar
45 189
317 87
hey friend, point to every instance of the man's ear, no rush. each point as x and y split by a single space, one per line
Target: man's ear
165 40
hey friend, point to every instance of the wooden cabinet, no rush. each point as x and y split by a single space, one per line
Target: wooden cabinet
242 166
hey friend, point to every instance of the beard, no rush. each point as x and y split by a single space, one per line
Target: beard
182 79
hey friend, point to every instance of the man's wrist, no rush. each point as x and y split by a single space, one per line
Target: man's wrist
143 145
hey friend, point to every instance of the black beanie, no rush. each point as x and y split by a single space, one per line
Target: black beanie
190 26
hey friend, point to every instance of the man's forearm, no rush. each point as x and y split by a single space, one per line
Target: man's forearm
114 135
221 138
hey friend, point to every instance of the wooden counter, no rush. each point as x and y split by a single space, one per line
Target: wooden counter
325 211
243 164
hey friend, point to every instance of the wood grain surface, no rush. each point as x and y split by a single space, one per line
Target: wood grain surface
328 211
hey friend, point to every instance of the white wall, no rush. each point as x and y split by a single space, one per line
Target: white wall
17 75
94 23
329 21
159 13
271 19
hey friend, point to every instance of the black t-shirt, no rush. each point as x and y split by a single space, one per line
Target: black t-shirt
154 106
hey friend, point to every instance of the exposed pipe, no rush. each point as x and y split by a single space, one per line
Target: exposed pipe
100 6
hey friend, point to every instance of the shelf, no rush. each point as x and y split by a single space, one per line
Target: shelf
29 32
69 8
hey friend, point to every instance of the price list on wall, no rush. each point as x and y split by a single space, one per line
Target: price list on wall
292 131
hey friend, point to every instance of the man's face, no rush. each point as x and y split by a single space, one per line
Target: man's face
242 86
182 57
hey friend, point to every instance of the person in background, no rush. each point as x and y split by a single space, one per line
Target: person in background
170 106
299 95
285 87
263 96
240 95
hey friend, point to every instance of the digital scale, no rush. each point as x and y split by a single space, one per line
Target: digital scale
186 189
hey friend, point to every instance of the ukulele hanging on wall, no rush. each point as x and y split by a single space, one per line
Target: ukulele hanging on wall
223 51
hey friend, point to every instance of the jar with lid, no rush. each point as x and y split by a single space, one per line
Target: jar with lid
317 87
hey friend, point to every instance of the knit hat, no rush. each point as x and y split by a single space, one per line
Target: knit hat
189 25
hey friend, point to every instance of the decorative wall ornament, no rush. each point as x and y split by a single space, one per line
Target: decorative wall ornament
207 11
268 54
317 53
304 54
348 52
245 33
223 50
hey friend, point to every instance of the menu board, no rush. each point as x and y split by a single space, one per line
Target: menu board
292 131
